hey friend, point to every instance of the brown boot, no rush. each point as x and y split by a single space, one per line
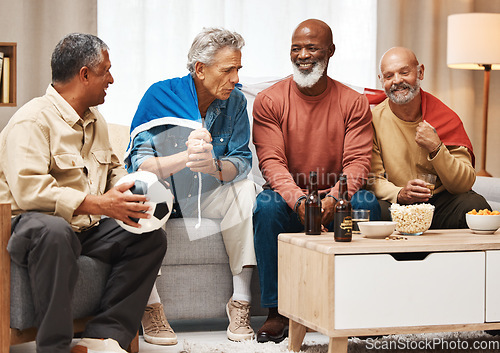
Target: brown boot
275 328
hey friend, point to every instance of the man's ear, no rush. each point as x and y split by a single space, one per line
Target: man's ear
331 50
84 74
199 69
421 72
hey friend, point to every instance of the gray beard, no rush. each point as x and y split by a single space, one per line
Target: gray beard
308 80
403 99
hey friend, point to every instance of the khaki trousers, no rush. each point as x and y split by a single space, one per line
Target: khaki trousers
233 203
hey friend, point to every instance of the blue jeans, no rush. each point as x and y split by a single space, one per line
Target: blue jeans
273 216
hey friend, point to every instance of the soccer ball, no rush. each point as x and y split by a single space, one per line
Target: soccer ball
160 197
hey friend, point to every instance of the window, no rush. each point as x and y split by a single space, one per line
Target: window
149 40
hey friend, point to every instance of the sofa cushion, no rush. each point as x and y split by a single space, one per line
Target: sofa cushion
190 246
201 291
92 278
490 189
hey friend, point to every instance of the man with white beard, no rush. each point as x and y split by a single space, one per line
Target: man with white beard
308 122
415 133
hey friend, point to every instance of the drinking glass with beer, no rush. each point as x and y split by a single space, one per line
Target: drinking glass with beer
359 216
430 181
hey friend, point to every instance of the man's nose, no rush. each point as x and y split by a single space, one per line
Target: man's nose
397 78
234 78
303 53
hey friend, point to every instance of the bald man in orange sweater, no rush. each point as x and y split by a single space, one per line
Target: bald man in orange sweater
306 122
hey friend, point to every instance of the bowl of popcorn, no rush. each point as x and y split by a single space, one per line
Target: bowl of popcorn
412 219
483 221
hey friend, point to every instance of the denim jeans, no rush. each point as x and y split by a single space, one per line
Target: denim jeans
273 216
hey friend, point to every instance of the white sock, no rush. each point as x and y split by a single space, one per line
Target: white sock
241 285
154 297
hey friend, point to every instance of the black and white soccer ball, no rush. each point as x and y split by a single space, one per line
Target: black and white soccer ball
160 197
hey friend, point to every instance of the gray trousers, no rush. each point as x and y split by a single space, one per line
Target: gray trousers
49 248
450 209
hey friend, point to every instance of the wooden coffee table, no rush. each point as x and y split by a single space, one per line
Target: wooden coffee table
443 280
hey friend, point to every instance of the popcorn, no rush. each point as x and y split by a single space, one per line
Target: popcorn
412 219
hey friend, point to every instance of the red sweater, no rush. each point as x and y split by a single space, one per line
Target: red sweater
295 134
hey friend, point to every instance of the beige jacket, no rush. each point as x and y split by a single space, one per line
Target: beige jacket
51 159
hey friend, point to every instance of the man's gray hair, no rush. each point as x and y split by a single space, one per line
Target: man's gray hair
208 42
73 52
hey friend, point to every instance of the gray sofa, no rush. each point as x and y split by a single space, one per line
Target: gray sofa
490 189
195 281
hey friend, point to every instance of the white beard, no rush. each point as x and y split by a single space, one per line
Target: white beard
403 99
307 80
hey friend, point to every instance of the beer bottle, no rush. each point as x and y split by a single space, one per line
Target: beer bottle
313 207
342 217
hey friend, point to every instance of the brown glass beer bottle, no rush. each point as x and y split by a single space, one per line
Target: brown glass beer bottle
342 217
313 207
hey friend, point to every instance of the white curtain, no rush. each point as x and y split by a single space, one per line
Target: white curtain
149 40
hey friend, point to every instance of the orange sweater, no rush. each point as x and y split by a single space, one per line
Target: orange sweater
295 134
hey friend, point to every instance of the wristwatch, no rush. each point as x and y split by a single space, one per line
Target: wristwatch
298 202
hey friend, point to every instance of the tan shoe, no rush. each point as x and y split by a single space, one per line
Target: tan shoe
97 345
238 312
155 327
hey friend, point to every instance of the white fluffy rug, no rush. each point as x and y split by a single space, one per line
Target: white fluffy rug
477 341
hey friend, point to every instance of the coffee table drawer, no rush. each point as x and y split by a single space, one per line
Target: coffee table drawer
378 290
492 286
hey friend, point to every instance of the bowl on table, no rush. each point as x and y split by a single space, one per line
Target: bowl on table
376 229
483 224
412 219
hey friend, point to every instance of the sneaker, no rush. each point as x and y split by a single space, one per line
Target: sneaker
97 345
155 327
238 312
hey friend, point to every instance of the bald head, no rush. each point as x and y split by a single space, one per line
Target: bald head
400 75
316 28
399 54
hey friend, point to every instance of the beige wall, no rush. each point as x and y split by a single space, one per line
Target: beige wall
37 26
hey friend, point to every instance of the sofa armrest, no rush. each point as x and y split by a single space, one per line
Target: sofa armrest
490 189
5 223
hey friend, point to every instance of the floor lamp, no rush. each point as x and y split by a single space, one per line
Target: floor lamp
474 44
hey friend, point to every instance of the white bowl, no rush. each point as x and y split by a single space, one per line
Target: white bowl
376 229
483 224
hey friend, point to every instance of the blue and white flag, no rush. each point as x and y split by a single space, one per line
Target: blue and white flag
169 102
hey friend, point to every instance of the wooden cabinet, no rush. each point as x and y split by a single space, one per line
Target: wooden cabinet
8 81
444 280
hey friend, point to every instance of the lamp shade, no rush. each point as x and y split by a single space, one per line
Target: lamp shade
474 40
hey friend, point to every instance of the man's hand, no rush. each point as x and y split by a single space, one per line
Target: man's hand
328 210
301 212
116 204
427 137
199 149
414 191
